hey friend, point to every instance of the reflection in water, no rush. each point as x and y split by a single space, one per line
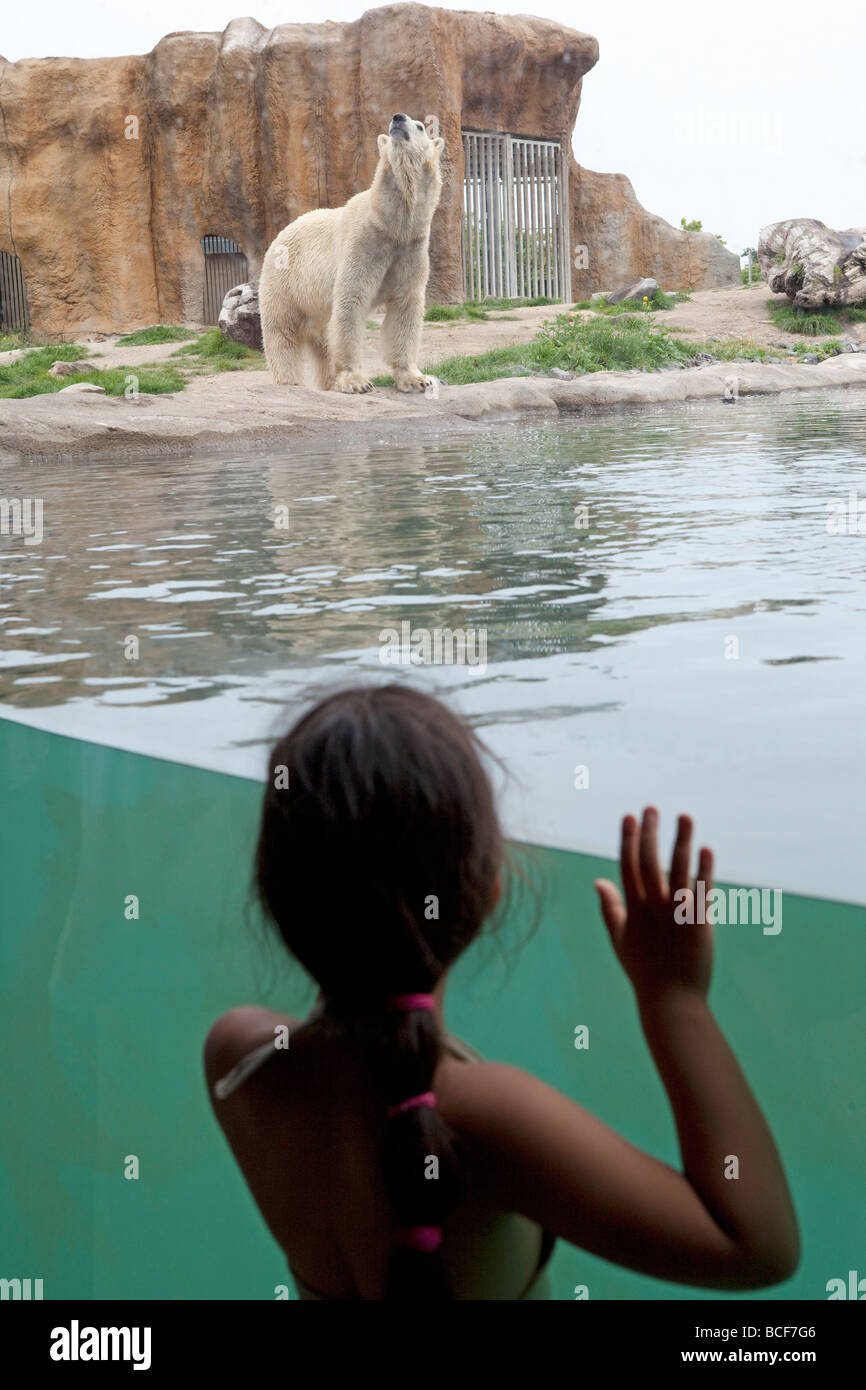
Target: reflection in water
554 540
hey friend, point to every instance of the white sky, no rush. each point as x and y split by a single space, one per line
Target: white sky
739 116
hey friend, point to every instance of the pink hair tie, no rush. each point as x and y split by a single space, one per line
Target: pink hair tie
406 1003
423 1238
426 1098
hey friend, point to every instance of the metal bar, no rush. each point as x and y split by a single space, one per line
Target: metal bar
501 215
536 219
508 201
524 198
549 230
565 222
467 257
553 232
474 226
487 217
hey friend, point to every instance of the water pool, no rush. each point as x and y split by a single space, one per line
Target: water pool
672 609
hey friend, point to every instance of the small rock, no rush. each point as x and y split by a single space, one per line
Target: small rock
776 360
811 357
714 340
701 357
560 374
58 369
637 290
83 386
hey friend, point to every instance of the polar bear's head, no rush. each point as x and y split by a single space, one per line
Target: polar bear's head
408 181
408 142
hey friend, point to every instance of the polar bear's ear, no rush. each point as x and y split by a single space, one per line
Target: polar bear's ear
438 144
381 141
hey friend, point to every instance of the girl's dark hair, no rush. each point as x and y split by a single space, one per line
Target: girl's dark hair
378 859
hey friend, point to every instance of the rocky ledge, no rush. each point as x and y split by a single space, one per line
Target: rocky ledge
228 416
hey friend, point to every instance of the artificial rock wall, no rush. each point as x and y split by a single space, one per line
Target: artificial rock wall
112 169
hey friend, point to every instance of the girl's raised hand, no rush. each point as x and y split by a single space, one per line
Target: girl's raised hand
660 955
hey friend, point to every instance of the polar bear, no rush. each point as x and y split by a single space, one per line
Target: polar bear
323 273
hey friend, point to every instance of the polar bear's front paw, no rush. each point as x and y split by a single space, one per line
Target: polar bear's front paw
413 380
351 382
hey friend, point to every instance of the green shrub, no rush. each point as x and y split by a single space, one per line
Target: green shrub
608 343
159 333
220 354
811 325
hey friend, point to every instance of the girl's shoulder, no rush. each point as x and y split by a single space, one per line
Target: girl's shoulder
241 1032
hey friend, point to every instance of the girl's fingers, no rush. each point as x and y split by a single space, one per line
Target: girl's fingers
681 855
612 909
628 863
705 868
648 858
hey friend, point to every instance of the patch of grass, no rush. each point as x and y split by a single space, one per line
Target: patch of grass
735 349
810 323
29 375
158 333
536 302
10 341
213 352
856 313
477 310
615 343
449 313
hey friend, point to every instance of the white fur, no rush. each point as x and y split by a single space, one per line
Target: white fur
325 272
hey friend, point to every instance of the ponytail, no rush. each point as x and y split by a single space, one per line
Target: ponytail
419 1162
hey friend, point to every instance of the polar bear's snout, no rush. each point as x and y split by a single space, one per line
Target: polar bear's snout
399 126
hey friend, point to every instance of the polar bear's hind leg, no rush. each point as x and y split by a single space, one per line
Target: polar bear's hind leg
283 344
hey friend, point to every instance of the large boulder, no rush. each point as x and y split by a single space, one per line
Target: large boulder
813 265
639 290
239 317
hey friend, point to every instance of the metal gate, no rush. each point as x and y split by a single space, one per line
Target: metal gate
515 217
14 315
225 266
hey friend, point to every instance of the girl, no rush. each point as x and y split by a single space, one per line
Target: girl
388 1159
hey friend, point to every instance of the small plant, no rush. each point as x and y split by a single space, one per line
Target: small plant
158 333
798 275
477 310
220 354
694 226
811 325
780 259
